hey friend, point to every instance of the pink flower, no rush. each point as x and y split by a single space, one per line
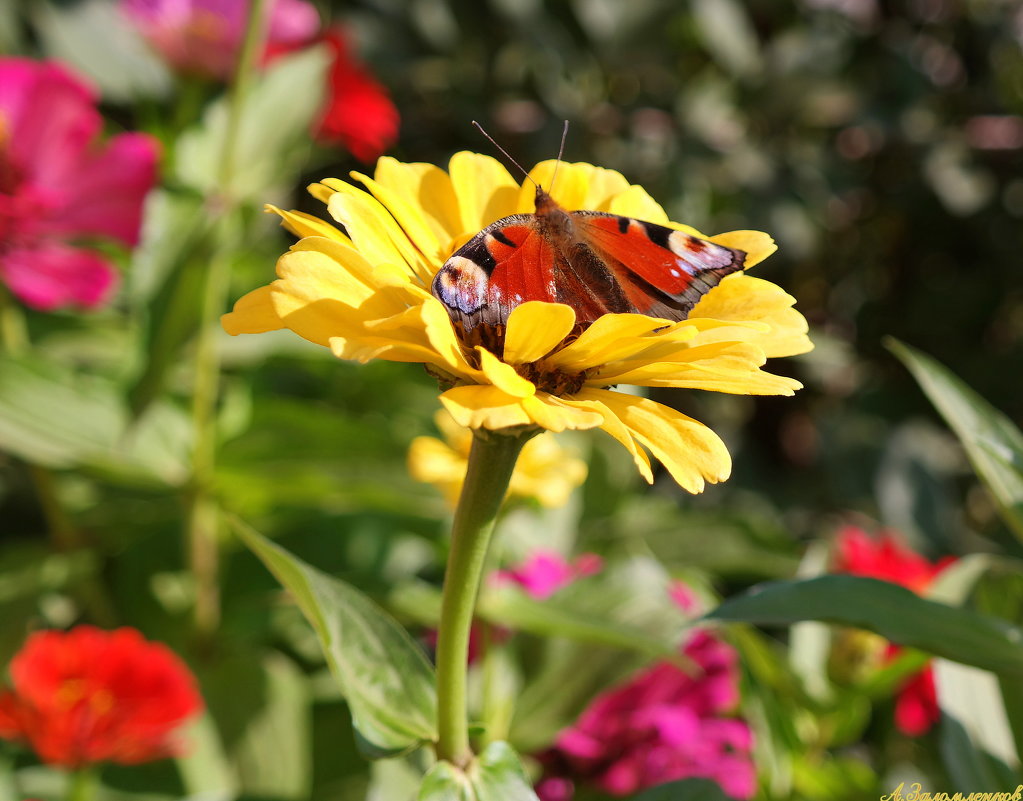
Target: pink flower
885 558
202 37
684 597
59 185
546 572
660 726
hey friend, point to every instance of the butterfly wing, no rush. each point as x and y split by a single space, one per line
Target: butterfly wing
662 272
597 263
505 264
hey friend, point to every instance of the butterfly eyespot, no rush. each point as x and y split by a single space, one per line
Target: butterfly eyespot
461 284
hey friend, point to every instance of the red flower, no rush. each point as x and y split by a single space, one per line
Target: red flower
61 187
88 695
358 113
884 557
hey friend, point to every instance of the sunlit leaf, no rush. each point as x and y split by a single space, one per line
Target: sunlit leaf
272 135
992 442
381 671
495 775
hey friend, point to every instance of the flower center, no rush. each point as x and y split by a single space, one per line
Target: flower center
541 374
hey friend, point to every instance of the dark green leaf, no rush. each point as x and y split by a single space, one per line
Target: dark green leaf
993 444
892 611
686 790
381 671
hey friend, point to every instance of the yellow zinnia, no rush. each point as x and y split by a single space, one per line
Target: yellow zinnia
365 293
544 470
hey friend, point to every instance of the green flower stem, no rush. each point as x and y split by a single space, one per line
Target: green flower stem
13 332
203 514
81 785
491 462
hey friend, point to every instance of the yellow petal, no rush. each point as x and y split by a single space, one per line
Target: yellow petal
320 191
692 453
557 414
757 244
433 462
485 407
503 376
609 338
421 332
592 399
636 202
422 194
744 298
535 329
485 190
253 313
546 471
458 437
416 225
569 188
375 233
302 224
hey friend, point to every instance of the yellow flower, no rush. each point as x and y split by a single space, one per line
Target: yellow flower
364 293
544 470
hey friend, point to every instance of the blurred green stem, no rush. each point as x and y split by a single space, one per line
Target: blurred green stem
495 714
81 785
491 462
203 513
13 332
63 532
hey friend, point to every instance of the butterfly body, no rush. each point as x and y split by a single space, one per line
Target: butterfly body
597 263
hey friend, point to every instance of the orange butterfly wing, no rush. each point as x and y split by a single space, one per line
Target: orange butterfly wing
662 271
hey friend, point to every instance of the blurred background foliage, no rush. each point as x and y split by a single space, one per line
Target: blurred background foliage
880 142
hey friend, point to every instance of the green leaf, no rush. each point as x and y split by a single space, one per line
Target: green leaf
686 790
96 39
993 444
495 775
205 770
55 418
974 724
557 617
382 672
445 782
887 609
272 134
273 757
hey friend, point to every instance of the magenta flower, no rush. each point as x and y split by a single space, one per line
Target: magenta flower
660 726
546 572
202 37
59 188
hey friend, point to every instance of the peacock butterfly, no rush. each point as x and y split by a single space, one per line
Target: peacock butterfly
597 263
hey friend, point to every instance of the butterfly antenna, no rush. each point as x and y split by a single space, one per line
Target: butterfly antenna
561 151
507 155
